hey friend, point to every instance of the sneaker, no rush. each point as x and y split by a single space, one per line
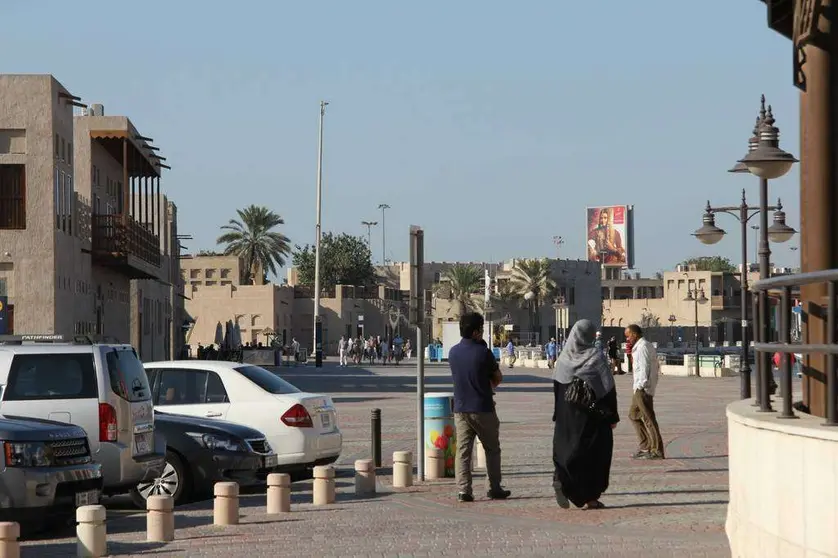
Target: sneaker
655 456
640 454
465 497
499 494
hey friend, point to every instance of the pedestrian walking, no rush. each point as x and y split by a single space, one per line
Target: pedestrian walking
343 347
583 440
614 356
475 374
551 349
510 354
642 409
295 350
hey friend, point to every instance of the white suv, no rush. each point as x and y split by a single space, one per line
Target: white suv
100 387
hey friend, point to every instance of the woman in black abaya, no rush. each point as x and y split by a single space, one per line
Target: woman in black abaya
583 440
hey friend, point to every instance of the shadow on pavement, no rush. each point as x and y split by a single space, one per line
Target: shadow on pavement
114 548
668 504
653 492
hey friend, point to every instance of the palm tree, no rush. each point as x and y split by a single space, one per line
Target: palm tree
462 281
251 238
532 282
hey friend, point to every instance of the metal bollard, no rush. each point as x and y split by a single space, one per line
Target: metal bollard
434 464
375 429
402 469
92 540
279 493
225 507
364 477
9 545
481 454
160 518
323 490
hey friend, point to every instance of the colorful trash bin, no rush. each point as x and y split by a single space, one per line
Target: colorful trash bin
439 428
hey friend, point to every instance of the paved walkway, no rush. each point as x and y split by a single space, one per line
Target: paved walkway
668 508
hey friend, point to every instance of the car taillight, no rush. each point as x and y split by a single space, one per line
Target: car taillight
297 416
107 423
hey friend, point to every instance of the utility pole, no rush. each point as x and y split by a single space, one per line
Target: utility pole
318 326
383 207
369 225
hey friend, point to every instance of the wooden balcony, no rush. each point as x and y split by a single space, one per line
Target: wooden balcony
126 245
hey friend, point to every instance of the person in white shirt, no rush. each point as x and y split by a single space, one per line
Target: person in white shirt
342 346
642 410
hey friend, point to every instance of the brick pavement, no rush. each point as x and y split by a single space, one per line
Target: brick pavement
674 507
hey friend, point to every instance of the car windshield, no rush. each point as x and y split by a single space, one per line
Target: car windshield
266 380
51 376
128 379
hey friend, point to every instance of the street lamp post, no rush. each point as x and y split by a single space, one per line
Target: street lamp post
709 234
369 225
383 207
672 320
697 297
318 326
767 161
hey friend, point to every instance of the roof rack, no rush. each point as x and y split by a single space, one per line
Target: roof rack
54 338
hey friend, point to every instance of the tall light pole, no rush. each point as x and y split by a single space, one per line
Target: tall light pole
696 296
318 326
767 161
383 207
369 225
558 241
709 233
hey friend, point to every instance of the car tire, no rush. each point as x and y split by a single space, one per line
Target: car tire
173 482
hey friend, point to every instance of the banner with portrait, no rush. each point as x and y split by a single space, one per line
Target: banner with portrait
608 240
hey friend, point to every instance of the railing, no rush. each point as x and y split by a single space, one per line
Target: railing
785 347
112 235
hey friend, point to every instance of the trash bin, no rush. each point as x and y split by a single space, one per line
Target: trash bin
439 427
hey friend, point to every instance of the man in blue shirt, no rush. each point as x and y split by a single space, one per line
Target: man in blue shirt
476 373
551 352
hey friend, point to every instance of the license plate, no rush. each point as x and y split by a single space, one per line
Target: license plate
271 461
142 443
87 498
326 420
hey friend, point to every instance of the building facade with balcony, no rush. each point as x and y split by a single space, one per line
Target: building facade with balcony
76 225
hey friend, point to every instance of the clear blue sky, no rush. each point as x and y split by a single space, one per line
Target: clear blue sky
493 124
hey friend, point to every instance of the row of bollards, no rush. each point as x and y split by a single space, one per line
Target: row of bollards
91 532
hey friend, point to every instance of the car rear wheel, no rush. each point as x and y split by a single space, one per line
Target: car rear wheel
172 482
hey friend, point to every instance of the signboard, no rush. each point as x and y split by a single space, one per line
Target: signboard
4 315
609 236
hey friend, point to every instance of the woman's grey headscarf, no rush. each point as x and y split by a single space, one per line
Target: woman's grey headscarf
580 358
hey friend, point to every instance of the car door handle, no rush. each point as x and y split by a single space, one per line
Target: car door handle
212 414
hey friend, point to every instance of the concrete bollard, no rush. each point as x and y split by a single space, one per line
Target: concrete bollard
364 477
402 469
160 518
225 508
481 454
279 493
323 492
9 545
92 540
434 464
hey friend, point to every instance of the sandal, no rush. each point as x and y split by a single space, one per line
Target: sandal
595 505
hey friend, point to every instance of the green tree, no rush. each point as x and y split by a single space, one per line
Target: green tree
252 238
461 282
711 263
531 280
209 253
344 260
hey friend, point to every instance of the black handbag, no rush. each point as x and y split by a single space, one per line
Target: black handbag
580 394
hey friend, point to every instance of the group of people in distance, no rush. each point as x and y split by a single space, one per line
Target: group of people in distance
584 411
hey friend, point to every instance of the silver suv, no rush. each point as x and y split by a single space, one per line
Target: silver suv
100 387
47 472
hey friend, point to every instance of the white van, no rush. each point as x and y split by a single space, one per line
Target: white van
100 387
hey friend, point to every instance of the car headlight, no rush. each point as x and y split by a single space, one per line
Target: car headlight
219 442
27 454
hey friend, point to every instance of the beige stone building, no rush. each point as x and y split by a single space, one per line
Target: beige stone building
81 216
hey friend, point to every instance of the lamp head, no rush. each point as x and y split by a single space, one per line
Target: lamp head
709 233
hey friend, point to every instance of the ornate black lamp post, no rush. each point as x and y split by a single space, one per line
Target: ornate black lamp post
709 233
767 161
696 296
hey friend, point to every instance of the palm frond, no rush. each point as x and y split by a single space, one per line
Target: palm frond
251 237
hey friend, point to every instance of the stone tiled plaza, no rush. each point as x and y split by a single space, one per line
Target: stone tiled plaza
675 507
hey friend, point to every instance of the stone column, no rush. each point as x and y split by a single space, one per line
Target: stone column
818 200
